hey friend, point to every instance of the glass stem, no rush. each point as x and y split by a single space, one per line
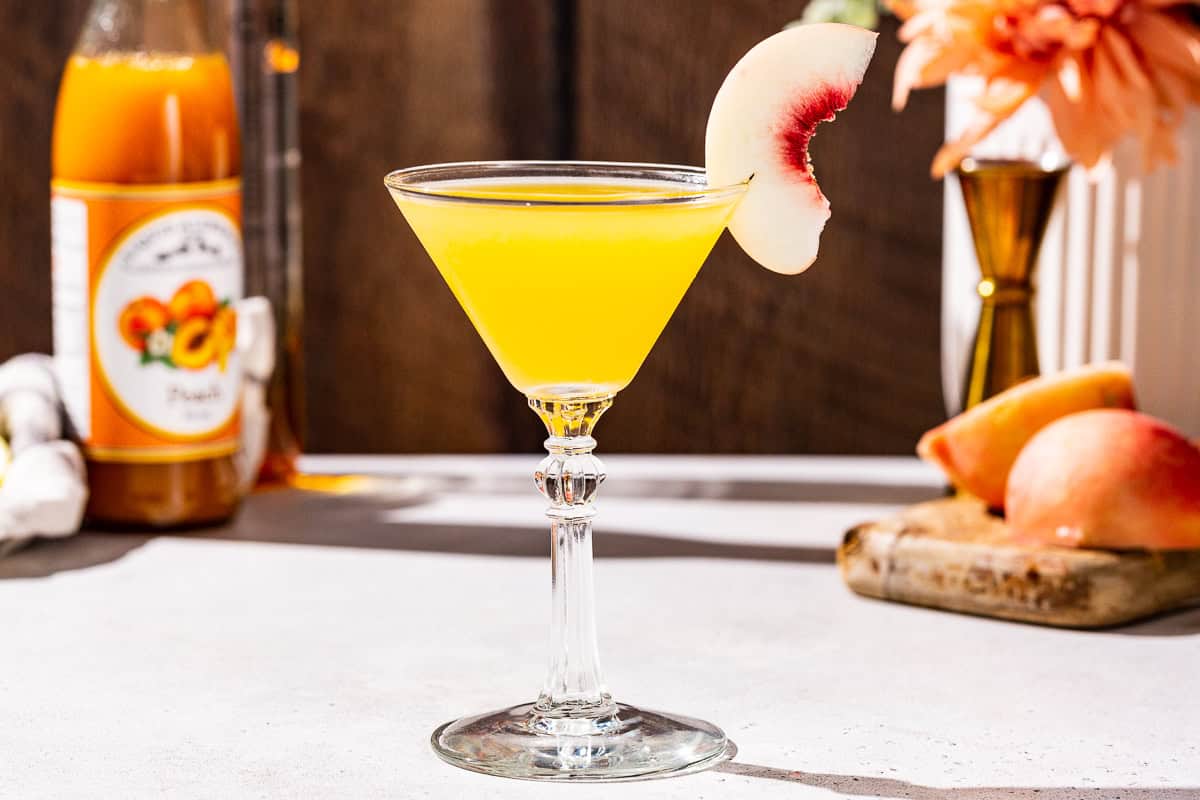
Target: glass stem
568 477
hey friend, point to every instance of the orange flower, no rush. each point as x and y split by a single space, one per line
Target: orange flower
1106 68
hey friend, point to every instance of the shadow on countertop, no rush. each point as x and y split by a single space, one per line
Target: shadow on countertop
1180 622
288 517
867 786
771 491
367 520
44 558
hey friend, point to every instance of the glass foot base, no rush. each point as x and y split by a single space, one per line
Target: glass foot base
627 743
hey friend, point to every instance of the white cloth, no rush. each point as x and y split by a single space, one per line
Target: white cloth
256 349
44 490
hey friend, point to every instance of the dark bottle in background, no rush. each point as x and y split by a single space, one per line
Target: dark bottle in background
265 58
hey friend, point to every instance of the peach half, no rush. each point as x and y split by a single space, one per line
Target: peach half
977 448
193 347
1112 479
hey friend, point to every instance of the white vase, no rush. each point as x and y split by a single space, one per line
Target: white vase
1119 272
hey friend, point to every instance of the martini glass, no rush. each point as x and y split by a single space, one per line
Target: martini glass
569 272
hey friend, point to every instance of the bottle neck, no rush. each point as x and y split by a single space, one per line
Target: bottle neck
146 26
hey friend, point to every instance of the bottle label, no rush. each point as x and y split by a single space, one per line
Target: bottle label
144 284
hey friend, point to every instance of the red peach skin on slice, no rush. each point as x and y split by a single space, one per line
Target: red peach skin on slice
761 122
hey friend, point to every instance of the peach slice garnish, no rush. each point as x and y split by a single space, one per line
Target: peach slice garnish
759 128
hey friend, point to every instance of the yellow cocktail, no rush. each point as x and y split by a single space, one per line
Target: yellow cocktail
569 272
619 253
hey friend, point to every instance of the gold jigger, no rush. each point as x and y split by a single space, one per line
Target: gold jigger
1008 205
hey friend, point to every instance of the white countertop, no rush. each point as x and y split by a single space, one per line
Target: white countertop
310 649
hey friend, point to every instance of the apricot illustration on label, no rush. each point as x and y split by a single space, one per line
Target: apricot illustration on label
140 319
191 331
192 299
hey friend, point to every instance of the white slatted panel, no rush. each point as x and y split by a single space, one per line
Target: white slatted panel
1117 275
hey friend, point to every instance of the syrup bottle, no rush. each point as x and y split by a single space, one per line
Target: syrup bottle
147 263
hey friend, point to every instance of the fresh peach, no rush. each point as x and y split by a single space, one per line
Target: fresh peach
977 448
1111 479
193 299
139 319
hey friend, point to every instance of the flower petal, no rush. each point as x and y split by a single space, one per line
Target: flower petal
1166 3
1139 98
1085 132
925 63
1106 68
1095 8
1173 92
1168 41
1110 88
1008 89
902 8
951 154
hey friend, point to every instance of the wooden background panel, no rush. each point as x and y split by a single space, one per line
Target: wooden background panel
392 362
34 42
843 359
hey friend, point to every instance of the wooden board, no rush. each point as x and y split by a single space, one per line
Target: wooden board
953 554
